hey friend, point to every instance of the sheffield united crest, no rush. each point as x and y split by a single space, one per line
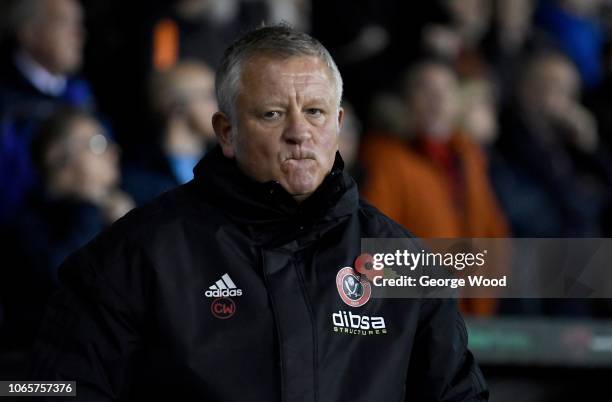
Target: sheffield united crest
353 289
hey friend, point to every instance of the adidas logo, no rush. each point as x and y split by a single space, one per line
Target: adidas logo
224 287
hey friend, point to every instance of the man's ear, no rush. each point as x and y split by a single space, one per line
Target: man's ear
223 130
340 122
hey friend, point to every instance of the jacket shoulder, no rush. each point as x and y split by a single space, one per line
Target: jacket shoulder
139 228
116 265
141 221
376 224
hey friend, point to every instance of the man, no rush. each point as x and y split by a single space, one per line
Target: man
79 167
37 77
48 50
561 181
230 288
183 102
436 184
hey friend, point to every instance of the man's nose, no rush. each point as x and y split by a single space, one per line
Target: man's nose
297 130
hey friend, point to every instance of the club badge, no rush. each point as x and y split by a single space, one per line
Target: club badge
353 289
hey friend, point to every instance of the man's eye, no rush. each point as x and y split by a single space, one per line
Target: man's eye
271 115
315 112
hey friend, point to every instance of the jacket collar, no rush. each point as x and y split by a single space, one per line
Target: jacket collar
267 208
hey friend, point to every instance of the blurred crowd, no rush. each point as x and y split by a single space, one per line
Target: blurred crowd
464 118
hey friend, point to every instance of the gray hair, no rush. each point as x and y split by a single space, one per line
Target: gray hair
276 40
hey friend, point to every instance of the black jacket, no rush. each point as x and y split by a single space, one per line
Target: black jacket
140 319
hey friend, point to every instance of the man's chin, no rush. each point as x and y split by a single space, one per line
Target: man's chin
302 190
300 197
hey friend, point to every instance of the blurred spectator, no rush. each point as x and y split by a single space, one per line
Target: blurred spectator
513 20
550 175
458 40
577 31
477 112
443 190
560 179
435 184
79 166
478 118
36 77
512 37
183 102
350 136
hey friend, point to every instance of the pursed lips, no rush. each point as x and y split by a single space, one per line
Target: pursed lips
301 155
301 160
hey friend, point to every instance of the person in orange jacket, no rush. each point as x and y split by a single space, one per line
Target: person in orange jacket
435 183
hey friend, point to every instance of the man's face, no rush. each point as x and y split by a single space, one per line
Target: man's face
286 124
198 87
55 37
432 102
553 87
89 166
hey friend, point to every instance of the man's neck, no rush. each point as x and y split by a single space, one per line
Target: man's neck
40 77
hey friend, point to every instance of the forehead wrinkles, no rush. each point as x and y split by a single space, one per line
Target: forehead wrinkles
277 76
306 83
316 78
